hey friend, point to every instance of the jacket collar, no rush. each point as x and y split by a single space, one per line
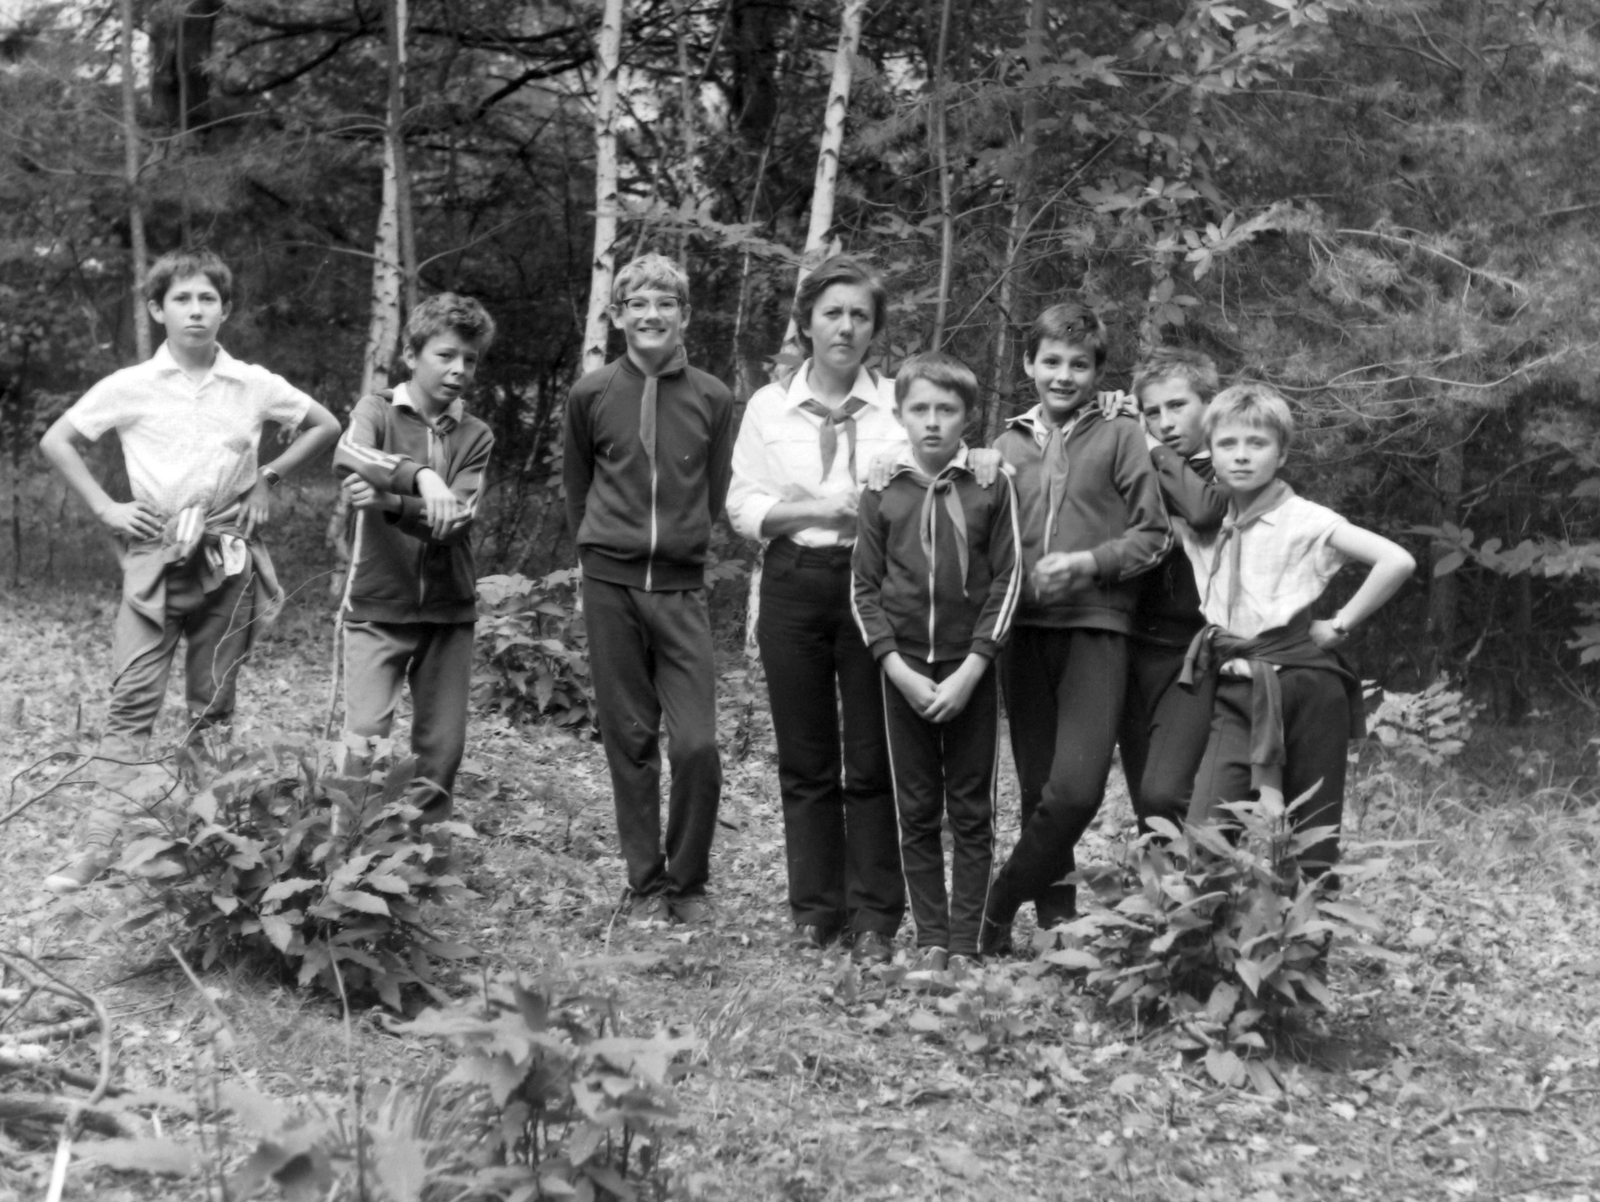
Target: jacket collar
864 387
676 365
224 366
1038 426
446 421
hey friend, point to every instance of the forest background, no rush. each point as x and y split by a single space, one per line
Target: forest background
1386 209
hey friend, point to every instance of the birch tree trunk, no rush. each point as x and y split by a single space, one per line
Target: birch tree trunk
397 25
596 326
688 105
940 134
130 169
825 185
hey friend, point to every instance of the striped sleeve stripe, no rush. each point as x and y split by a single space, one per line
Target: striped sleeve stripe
366 454
1008 608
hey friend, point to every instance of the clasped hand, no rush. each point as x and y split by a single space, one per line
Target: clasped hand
1063 572
442 509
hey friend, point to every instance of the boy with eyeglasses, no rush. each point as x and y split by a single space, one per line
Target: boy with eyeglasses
649 444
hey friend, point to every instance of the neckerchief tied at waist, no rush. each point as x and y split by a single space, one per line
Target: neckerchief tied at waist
943 485
1287 647
647 400
828 436
1272 497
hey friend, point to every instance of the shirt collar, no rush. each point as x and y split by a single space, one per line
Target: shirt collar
1036 424
865 386
224 366
906 462
448 420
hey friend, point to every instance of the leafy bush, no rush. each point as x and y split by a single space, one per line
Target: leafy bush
1215 930
1428 727
270 861
532 635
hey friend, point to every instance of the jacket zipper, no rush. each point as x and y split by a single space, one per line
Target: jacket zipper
933 584
650 559
422 545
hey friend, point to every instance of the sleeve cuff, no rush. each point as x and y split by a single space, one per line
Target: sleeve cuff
1105 565
882 647
405 477
748 513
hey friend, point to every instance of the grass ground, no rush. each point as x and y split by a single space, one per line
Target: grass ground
1467 1071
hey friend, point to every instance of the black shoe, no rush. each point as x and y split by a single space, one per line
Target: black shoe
692 911
995 938
647 907
870 947
812 935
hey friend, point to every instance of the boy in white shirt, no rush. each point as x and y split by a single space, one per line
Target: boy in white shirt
1286 703
189 420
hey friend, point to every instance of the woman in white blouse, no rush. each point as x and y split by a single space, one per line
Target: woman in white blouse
801 458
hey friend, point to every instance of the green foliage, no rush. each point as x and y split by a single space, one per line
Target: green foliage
1429 727
536 647
270 861
1216 931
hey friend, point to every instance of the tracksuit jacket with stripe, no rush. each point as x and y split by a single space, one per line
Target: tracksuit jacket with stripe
634 525
402 571
1112 508
922 609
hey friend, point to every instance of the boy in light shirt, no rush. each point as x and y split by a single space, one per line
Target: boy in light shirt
1286 703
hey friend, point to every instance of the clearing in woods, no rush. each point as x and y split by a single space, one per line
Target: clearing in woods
1467 1070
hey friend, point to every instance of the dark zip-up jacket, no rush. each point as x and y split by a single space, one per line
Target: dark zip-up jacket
1168 612
1111 508
633 526
923 608
400 571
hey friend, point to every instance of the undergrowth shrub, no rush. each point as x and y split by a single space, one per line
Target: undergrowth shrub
272 862
1427 728
535 648
1215 931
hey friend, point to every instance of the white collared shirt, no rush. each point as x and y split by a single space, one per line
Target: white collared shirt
1285 563
778 454
187 443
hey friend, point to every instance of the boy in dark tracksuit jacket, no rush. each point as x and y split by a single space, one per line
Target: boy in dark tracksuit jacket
1092 520
413 464
1164 728
649 444
936 583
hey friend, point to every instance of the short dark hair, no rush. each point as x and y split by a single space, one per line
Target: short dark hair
1252 404
839 269
1192 367
1073 323
180 265
940 370
463 315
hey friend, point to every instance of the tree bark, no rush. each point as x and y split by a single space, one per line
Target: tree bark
397 24
130 169
688 106
939 132
596 327
825 185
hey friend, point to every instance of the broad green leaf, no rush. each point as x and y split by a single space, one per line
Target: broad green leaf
354 899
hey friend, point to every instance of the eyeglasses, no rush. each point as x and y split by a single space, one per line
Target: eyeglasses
640 305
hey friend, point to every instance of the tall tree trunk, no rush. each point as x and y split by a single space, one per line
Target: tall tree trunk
940 133
130 170
397 24
1022 205
825 186
688 106
605 187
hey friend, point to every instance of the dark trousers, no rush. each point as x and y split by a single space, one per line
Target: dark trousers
435 658
940 769
838 798
650 657
217 627
1163 733
1064 691
1316 741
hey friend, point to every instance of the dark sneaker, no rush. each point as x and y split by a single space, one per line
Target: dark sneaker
995 939
692 911
648 907
813 935
80 872
931 959
872 948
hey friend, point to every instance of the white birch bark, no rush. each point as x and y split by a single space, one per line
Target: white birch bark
596 326
825 185
383 326
130 167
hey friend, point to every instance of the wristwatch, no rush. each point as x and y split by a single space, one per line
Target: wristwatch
272 478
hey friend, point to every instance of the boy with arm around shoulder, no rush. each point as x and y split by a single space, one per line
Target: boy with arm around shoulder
646 467
1092 521
936 584
413 464
1164 728
1286 703
189 420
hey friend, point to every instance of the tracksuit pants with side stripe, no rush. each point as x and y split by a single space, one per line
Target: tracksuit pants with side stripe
945 769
